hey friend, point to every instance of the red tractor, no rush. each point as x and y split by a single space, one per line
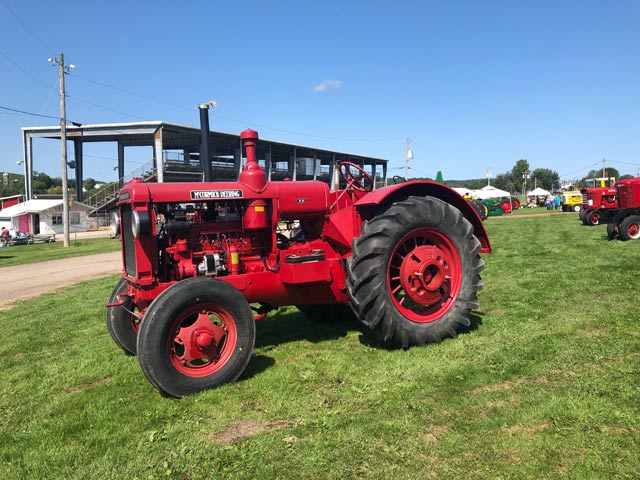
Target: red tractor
625 223
598 202
199 257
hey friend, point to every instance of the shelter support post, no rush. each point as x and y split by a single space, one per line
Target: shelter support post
77 153
120 164
27 159
158 150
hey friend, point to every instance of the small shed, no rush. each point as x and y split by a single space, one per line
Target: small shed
38 216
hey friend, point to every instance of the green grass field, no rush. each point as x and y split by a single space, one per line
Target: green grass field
40 252
543 385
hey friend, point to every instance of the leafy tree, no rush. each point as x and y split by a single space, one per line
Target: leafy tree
610 172
517 171
625 176
89 184
546 178
506 182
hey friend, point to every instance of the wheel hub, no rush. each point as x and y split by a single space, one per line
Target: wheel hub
201 342
424 273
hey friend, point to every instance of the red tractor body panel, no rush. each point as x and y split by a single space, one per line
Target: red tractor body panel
629 192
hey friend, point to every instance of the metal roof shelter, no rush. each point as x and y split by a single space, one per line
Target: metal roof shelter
176 154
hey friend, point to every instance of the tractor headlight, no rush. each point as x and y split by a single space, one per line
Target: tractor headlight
115 224
140 223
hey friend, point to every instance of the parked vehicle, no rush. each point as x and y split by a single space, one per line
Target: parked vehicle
198 257
571 201
625 223
599 200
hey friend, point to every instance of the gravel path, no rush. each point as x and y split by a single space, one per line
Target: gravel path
23 281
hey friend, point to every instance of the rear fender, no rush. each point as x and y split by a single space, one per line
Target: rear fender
368 204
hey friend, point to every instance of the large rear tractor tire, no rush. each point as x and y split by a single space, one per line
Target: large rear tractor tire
196 335
123 321
415 272
630 228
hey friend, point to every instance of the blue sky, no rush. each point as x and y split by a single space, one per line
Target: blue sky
474 84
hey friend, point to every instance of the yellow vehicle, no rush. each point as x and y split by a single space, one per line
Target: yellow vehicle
571 201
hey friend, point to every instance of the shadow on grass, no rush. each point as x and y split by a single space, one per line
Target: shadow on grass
294 326
5 257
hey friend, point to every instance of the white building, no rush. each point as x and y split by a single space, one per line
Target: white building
35 217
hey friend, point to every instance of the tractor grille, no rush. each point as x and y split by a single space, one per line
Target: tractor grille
127 241
585 199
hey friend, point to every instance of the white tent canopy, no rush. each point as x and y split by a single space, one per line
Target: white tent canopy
538 192
491 192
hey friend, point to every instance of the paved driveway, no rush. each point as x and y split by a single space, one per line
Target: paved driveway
34 279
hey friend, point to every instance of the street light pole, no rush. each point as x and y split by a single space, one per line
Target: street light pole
62 69
408 156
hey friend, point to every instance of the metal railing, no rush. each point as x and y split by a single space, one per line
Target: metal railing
109 192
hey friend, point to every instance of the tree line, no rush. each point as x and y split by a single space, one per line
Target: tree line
13 184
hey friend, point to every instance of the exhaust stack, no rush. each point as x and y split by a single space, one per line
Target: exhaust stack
205 140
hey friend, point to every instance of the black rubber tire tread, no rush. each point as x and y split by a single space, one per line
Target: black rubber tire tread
612 231
624 227
367 271
582 216
589 217
119 320
153 335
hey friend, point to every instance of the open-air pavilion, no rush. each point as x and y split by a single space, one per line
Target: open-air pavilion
176 155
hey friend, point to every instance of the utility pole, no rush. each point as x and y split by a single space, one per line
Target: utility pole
604 171
408 156
62 69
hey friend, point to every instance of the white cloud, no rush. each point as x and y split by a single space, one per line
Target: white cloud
327 85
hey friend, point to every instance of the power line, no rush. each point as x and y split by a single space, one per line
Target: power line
23 70
145 97
106 108
580 169
235 120
28 113
26 27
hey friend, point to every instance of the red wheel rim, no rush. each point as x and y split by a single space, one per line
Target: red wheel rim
634 230
201 340
424 275
595 219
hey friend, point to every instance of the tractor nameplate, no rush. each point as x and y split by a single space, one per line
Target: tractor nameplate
215 194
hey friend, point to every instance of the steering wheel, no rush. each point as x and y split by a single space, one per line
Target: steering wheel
398 179
355 181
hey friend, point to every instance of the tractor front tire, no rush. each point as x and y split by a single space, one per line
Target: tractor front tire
415 272
593 218
122 321
583 218
630 228
196 335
